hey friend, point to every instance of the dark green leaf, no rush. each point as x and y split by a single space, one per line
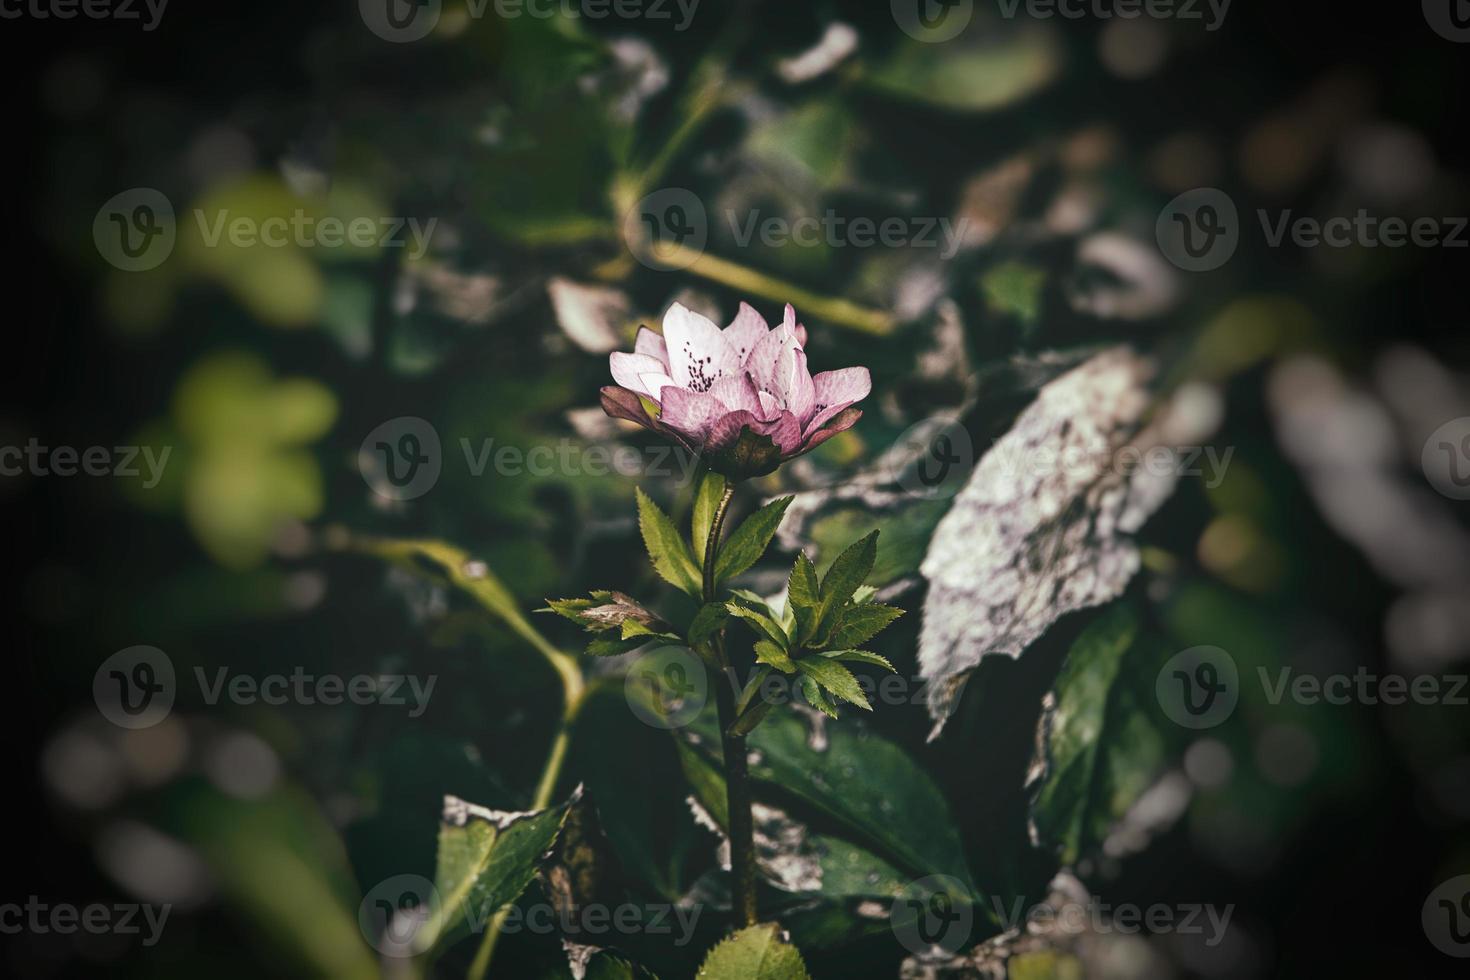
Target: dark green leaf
710 619
845 577
816 697
761 621
750 540
859 624
803 589
859 657
835 678
669 552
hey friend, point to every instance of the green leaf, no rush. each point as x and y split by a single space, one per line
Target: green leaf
669 552
802 588
750 540
710 619
845 577
633 629
486 859
762 622
613 646
859 657
816 697
835 678
706 500
859 624
767 652
754 953
1103 746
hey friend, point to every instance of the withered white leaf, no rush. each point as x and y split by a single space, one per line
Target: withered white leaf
1043 526
589 315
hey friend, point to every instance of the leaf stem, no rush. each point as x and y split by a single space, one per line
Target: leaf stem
737 776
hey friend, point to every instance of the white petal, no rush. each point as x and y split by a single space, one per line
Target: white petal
698 354
745 331
651 344
628 368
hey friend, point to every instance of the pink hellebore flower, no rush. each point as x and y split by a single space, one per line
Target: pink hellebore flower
742 397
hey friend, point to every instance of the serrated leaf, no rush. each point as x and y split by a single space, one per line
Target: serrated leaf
859 657
710 619
749 541
486 858
844 578
754 953
835 678
816 697
802 588
767 652
859 624
667 549
761 621
613 646
633 629
706 501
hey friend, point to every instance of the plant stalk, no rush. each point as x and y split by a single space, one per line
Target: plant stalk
737 776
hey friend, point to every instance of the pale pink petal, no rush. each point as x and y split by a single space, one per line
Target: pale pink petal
737 392
653 345
770 405
802 397
627 369
845 386
690 412
698 353
773 362
654 384
797 330
745 331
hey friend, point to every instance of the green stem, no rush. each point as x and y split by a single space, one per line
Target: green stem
737 776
